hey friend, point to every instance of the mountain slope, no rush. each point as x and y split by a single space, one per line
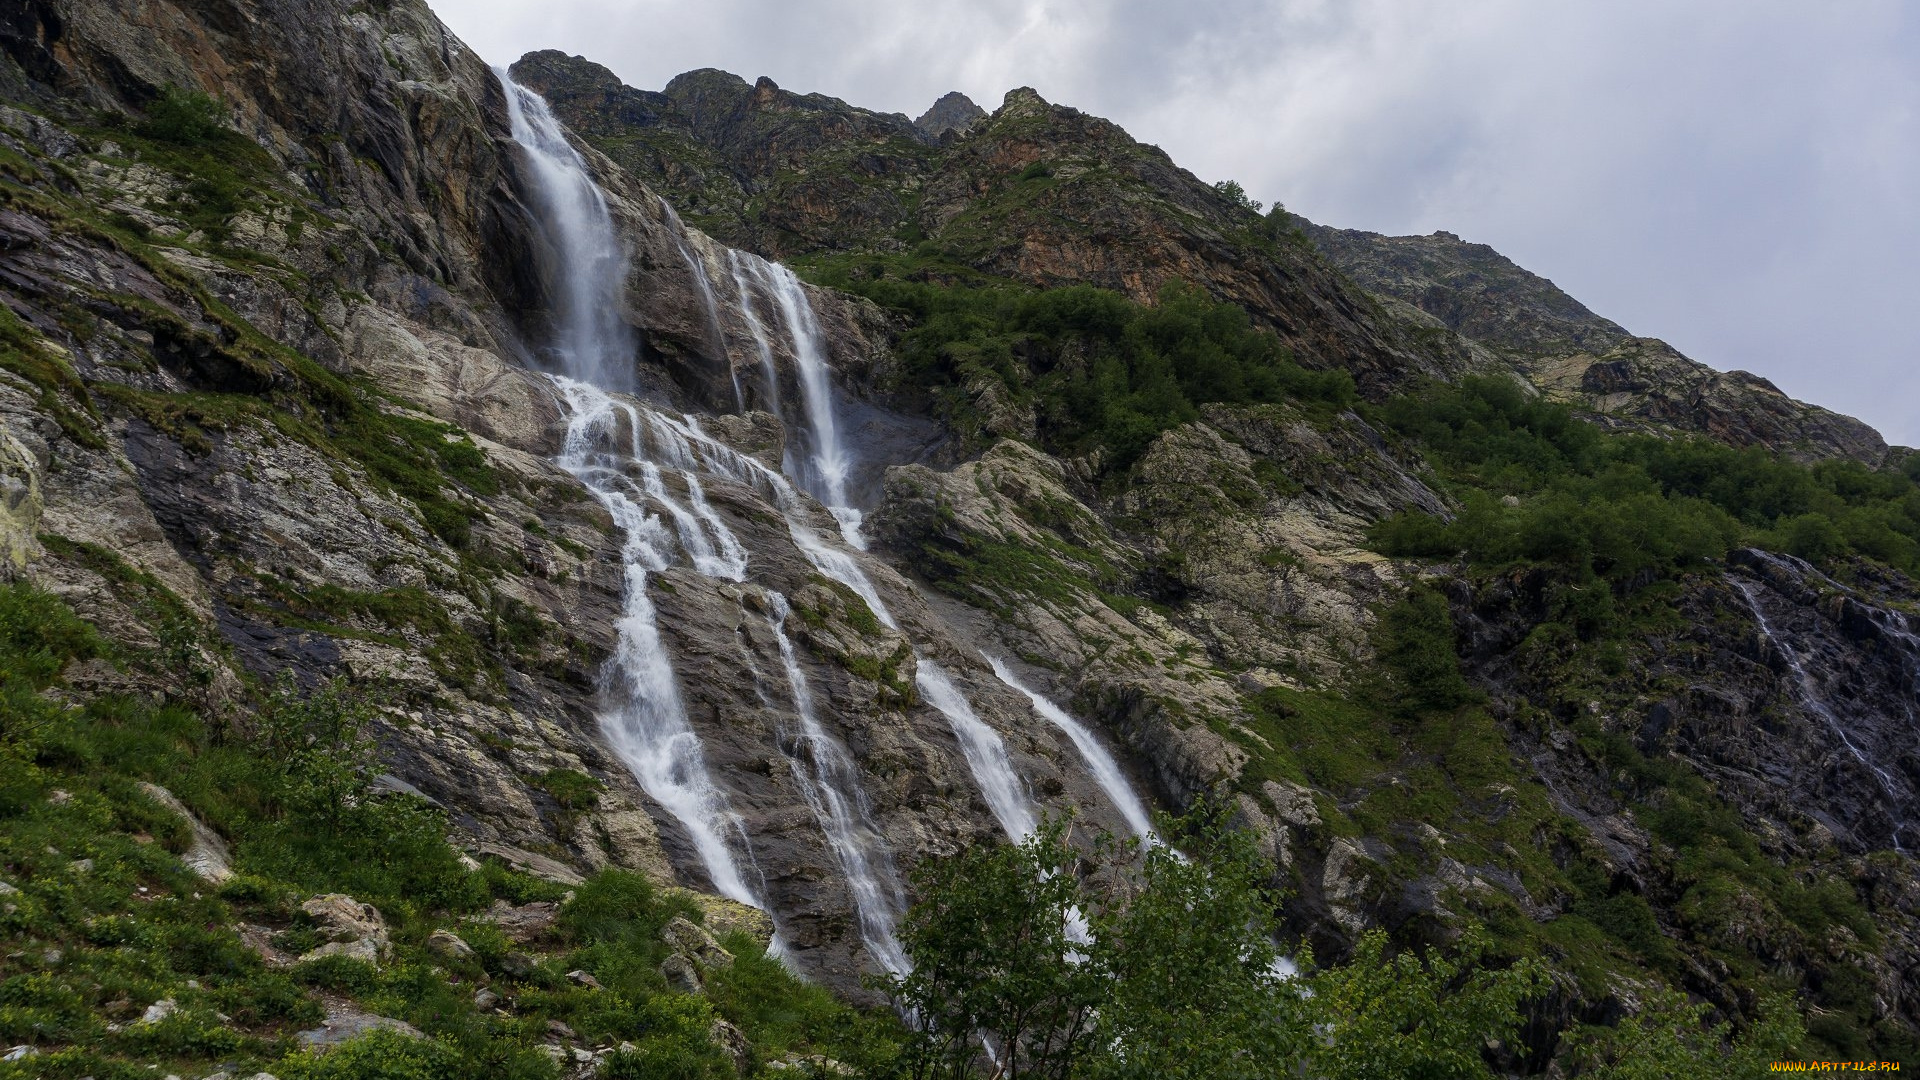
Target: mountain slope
1577 357
283 289
1036 193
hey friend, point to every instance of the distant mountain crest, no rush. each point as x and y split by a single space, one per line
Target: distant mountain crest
953 112
1578 357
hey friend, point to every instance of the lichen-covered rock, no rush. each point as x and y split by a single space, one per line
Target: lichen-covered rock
352 929
692 941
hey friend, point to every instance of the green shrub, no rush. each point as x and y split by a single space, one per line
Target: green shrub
378 1055
184 117
1629 508
1100 371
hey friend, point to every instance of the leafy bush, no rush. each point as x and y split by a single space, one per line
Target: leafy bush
1629 508
185 118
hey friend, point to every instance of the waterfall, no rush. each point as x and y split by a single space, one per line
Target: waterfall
1807 690
822 471
823 464
587 267
985 751
1101 763
645 467
645 721
762 347
829 781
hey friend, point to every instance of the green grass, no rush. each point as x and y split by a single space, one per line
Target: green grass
105 920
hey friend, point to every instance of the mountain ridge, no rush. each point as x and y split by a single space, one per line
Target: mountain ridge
1632 380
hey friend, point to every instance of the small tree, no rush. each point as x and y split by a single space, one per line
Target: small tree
1232 190
185 117
1194 986
321 739
997 967
1423 1019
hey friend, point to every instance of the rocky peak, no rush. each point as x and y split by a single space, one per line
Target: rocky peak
601 98
954 112
1022 101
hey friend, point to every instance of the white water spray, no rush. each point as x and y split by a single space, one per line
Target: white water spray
1101 763
985 751
823 466
645 720
586 264
763 348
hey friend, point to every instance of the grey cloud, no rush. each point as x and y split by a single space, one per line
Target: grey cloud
1737 176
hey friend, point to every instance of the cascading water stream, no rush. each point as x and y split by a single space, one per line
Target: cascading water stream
828 780
822 470
823 770
645 721
1808 692
762 346
586 264
985 751
824 474
1105 769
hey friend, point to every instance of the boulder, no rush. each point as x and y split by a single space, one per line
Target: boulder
449 944
352 929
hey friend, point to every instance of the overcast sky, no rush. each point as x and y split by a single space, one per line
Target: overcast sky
1739 177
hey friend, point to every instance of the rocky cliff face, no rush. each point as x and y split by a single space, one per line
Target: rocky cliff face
306 413
954 113
273 404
